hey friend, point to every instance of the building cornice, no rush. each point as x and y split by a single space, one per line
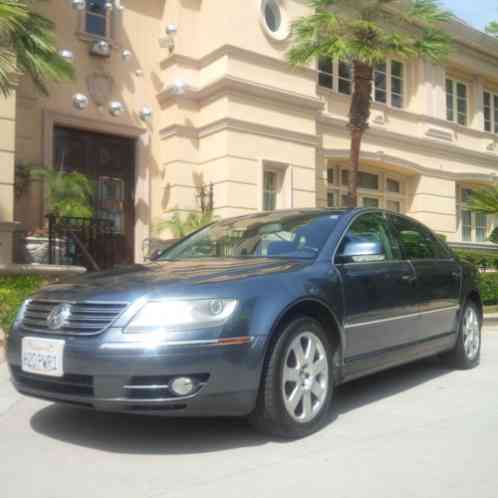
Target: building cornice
240 126
236 53
227 85
382 158
420 142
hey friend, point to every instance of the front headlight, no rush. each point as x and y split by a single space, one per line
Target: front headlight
179 315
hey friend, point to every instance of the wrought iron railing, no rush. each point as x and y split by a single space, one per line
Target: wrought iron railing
87 242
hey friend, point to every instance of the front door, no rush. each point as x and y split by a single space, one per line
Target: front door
380 313
109 161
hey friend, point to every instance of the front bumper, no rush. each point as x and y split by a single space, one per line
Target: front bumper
109 375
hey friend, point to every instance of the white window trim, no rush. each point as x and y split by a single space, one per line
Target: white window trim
110 24
284 31
455 83
461 206
284 184
381 194
389 93
493 108
335 78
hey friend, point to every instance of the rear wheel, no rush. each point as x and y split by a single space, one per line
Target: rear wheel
297 385
467 352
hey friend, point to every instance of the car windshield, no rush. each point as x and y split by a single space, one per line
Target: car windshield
274 235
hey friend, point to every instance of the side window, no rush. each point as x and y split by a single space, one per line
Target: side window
416 242
369 230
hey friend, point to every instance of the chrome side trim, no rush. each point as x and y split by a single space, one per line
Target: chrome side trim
403 317
148 387
154 345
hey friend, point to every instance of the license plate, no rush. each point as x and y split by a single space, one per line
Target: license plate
43 356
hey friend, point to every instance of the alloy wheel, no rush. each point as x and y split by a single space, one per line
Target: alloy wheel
471 333
305 379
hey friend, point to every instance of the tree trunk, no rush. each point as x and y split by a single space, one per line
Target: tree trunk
359 116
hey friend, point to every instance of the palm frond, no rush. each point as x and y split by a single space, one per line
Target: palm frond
429 11
68 194
370 31
484 200
31 40
492 29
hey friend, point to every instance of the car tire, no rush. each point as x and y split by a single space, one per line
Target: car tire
467 351
286 378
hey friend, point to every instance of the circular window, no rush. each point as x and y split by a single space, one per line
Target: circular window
274 19
273 16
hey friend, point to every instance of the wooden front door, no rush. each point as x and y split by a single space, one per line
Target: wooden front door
110 162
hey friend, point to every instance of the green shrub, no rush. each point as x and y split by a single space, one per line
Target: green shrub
13 291
479 259
489 288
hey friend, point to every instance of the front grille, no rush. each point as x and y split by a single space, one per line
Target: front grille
85 318
70 384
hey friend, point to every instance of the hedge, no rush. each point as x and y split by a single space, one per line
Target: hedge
13 291
479 259
489 288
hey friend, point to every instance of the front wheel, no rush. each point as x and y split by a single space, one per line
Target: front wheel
467 352
297 386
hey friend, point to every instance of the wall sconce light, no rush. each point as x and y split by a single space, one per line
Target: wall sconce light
78 4
116 108
146 114
126 54
80 101
179 87
169 40
108 6
101 48
66 54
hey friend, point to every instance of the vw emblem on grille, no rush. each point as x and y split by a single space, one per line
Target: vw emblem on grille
58 316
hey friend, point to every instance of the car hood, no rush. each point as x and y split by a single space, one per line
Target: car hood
166 278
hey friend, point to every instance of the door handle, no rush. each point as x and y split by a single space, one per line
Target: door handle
409 278
455 275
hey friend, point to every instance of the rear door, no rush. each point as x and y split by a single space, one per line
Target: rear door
380 311
438 277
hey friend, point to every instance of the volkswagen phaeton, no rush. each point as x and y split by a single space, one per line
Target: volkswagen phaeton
259 316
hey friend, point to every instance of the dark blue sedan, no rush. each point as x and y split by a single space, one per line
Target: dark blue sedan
258 316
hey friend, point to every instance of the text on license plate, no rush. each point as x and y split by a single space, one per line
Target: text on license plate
43 356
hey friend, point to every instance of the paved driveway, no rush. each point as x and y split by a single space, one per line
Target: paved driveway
416 431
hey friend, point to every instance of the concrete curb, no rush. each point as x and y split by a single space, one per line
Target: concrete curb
491 319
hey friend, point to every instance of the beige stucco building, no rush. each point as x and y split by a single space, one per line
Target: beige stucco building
227 109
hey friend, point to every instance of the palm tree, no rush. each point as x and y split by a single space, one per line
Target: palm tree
484 200
492 29
365 33
68 194
181 227
28 46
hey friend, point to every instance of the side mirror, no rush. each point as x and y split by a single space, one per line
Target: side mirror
360 250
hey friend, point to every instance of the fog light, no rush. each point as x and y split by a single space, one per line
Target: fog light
182 386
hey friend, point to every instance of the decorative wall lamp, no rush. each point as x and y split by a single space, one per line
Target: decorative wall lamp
179 87
126 54
101 48
66 54
78 4
169 41
146 114
80 101
116 108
